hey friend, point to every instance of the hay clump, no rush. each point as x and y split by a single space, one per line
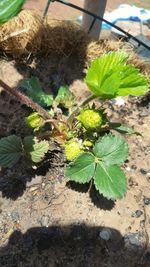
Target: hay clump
22 34
28 34
144 67
96 49
64 38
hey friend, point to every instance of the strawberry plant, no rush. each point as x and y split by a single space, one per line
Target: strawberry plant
84 131
93 152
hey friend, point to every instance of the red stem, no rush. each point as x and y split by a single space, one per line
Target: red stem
27 101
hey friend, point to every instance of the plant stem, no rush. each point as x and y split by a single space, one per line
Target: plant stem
87 100
27 101
82 104
90 187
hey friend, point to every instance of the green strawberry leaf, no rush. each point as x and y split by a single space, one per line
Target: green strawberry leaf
132 82
113 125
110 181
109 77
10 150
9 9
65 97
35 150
34 120
102 76
34 90
126 130
82 169
111 149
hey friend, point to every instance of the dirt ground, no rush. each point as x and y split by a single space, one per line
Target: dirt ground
46 221
59 11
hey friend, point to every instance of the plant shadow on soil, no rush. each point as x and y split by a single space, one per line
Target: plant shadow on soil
60 61
53 70
76 245
98 199
13 182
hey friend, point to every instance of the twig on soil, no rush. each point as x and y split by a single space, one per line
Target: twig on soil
57 164
55 197
27 101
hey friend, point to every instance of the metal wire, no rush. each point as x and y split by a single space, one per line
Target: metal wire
46 8
92 24
99 18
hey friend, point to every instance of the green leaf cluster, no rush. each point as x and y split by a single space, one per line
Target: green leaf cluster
65 97
9 9
34 90
109 76
34 149
103 166
34 120
13 147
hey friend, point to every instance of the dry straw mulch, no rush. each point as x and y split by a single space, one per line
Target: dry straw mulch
28 34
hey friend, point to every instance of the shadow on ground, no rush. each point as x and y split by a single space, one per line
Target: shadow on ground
14 181
72 245
53 68
99 200
60 58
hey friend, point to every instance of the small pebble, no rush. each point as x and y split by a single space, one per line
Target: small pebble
137 213
143 171
128 169
43 185
34 188
34 167
78 203
105 234
119 101
132 239
15 216
133 167
142 223
147 200
2 228
144 113
45 221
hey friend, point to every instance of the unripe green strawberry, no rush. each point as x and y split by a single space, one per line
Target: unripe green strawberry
90 119
34 120
87 143
72 149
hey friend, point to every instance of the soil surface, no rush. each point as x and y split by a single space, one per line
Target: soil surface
60 11
47 221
